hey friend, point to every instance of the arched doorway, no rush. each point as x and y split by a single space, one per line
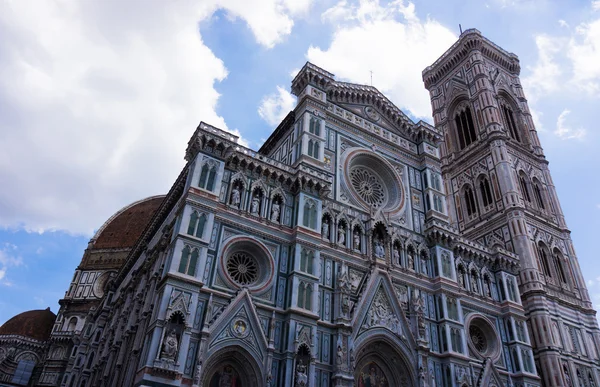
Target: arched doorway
232 367
379 364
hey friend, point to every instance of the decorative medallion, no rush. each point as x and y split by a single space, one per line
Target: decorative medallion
240 328
368 186
372 113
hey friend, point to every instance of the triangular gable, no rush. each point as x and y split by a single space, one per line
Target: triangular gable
372 114
238 324
381 308
489 376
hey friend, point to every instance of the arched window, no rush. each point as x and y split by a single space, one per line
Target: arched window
315 126
197 223
511 125
313 149
207 176
188 262
72 324
90 361
23 372
470 201
306 261
544 260
523 185
465 129
537 193
486 191
527 361
305 296
559 267
309 218
515 358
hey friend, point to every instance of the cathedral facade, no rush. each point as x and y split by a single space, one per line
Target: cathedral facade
354 248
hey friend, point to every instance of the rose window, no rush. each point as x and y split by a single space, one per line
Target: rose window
368 186
478 339
242 268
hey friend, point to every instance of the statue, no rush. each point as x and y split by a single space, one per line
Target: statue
255 204
325 229
340 355
235 196
379 250
341 235
486 286
275 212
301 377
169 348
418 307
411 260
461 279
227 378
396 256
474 283
424 266
356 240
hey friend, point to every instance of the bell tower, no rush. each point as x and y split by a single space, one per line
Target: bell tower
500 194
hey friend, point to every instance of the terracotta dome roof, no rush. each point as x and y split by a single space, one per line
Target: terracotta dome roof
35 324
124 228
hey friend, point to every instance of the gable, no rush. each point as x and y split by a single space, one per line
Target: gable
238 325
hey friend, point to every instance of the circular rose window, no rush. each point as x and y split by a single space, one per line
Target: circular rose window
373 182
242 268
482 337
247 263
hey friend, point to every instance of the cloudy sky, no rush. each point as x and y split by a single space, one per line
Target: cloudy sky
99 98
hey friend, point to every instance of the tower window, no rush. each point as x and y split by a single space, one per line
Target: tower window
465 129
537 192
510 123
208 174
314 126
305 296
196 226
524 190
188 262
486 192
313 148
559 267
310 214
306 261
544 261
470 202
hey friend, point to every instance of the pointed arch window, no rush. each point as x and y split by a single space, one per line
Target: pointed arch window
486 191
314 126
465 129
313 148
537 193
197 224
509 118
559 267
188 262
208 174
544 260
523 185
309 218
306 261
470 202
305 296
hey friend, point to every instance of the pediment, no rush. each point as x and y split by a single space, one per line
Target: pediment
489 376
380 308
371 113
238 325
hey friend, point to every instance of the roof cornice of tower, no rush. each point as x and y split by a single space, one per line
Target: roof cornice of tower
346 92
468 41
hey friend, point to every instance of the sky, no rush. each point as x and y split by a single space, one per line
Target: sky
99 98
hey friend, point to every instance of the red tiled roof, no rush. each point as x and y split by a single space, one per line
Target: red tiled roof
35 324
127 225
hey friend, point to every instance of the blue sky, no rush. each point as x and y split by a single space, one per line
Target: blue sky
98 100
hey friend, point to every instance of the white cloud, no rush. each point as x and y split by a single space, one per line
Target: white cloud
98 101
565 132
584 54
545 75
389 40
274 107
596 5
563 23
8 259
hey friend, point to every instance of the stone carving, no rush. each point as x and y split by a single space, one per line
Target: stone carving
379 249
275 212
340 356
411 259
396 255
341 235
235 196
381 314
423 378
325 229
418 308
402 294
170 346
255 205
356 237
354 279
301 375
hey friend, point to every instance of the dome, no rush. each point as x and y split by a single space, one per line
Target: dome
35 324
124 228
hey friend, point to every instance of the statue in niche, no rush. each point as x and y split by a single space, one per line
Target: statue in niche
255 205
396 255
356 237
474 283
325 229
486 286
275 212
340 355
227 377
424 266
418 307
301 377
169 348
235 196
461 279
341 235
379 249
411 260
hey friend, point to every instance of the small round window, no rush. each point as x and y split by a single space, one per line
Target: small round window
483 338
242 268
